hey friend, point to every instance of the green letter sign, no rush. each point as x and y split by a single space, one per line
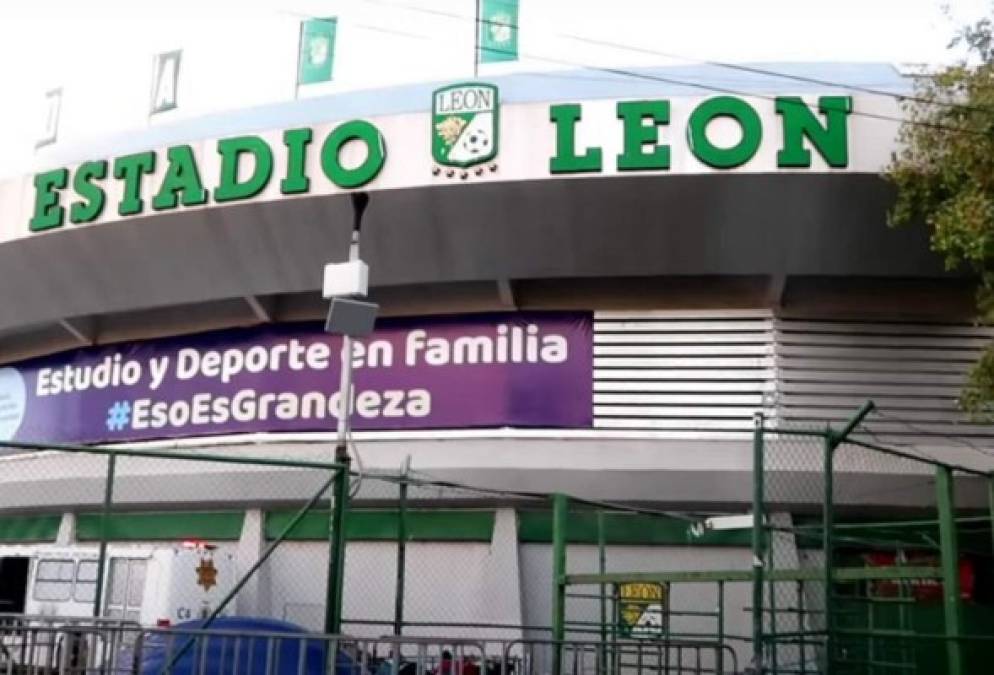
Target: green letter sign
130 169
296 142
566 160
464 127
831 140
724 106
376 153
183 177
90 209
231 151
48 213
638 135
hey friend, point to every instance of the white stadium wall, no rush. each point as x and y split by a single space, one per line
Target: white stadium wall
607 329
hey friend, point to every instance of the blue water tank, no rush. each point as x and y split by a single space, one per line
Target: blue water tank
253 647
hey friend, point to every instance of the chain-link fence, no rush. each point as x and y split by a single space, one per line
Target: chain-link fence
164 537
854 557
658 591
790 600
158 537
876 559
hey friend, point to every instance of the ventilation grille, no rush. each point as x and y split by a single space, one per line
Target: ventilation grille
693 374
913 372
682 373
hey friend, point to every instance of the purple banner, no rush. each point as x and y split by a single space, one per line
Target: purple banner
531 369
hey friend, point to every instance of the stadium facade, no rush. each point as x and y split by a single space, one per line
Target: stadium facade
588 283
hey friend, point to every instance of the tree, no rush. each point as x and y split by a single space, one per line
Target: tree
944 175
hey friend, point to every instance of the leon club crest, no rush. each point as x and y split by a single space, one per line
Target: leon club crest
464 124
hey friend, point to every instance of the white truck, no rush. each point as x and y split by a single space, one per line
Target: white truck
161 585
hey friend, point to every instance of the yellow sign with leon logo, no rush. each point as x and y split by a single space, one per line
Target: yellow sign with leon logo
642 609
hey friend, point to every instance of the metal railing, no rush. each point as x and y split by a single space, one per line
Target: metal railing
807 586
47 646
40 645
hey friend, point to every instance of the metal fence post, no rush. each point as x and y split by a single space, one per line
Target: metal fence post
949 550
827 543
772 631
801 626
104 534
336 548
560 507
720 659
990 502
832 441
757 542
398 608
602 569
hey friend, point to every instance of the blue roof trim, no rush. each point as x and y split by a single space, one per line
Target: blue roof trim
694 80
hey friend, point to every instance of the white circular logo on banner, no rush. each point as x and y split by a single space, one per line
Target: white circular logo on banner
13 402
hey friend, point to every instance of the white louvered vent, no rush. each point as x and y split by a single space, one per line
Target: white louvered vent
682 373
913 372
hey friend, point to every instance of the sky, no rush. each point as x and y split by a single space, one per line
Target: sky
240 53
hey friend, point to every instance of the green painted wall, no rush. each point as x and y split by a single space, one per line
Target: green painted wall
367 525
381 525
535 527
221 525
15 529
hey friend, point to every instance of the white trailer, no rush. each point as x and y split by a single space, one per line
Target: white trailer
150 585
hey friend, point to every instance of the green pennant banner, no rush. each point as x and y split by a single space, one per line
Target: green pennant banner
317 50
498 31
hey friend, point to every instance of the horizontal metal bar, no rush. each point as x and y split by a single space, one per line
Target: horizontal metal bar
682 424
797 372
794 635
704 324
891 524
675 374
849 390
913 635
850 341
935 418
662 362
696 576
684 350
691 339
681 399
678 412
162 454
748 388
857 329
918 356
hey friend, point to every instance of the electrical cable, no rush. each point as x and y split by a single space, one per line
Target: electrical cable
862 428
787 76
956 439
914 452
908 454
718 64
667 80
437 482
357 484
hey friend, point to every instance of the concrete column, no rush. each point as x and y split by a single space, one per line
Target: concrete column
66 535
500 591
254 599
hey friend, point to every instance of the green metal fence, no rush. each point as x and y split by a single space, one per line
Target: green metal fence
875 537
380 554
116 495
863 558
854 557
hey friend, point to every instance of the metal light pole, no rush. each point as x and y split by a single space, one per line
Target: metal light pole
349 318
360 200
